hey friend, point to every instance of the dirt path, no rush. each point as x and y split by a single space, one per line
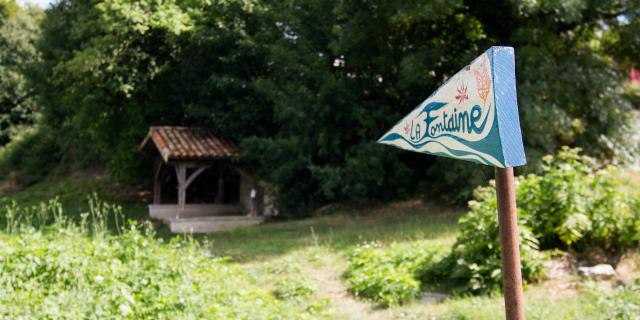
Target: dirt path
327 274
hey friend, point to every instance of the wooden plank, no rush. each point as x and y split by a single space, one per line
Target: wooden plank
473 116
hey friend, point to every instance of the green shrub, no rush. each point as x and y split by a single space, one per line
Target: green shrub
574 203
55 269
571 204
389 275
31 155
474 263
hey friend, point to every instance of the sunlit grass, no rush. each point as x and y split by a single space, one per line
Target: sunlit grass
407 221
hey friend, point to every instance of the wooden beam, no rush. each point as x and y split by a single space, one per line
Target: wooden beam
195 174
189 163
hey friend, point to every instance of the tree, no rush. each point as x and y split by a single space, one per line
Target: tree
100 59
569 83
18 33
8 8
307 86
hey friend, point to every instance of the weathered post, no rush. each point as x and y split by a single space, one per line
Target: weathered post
181 174
510 250
474 117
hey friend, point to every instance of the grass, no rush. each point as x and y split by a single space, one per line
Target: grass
301 263
401 222
632 185
315 249
540 304
73 191
57 269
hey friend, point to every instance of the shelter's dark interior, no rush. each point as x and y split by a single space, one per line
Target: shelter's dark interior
203 189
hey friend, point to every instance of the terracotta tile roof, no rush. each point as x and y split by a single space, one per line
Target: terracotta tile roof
185 143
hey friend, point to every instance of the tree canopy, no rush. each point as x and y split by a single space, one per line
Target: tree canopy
18 34
306 87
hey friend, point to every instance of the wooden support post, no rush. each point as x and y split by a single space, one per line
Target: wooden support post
157 184
181 173
220 196
510 251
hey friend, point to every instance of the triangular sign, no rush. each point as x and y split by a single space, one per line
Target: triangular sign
473 116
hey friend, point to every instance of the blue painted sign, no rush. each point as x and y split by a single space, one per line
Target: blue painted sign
473 116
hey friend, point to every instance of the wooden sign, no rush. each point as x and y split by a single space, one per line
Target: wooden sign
473 116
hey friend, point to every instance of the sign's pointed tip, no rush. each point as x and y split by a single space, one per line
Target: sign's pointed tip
382 139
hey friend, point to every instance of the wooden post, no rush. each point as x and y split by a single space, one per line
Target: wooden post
510 251
220 196
157 185
181 172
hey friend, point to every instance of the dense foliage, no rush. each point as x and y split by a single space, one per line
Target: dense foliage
575 204
571 204
18 34
474 264
8 8
390 275
55 269
306 87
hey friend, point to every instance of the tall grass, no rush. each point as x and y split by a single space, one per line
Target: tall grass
100 218
101 267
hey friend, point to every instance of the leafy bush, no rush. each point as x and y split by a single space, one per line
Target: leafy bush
474 263
31 155
571 204
389 275
55 269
